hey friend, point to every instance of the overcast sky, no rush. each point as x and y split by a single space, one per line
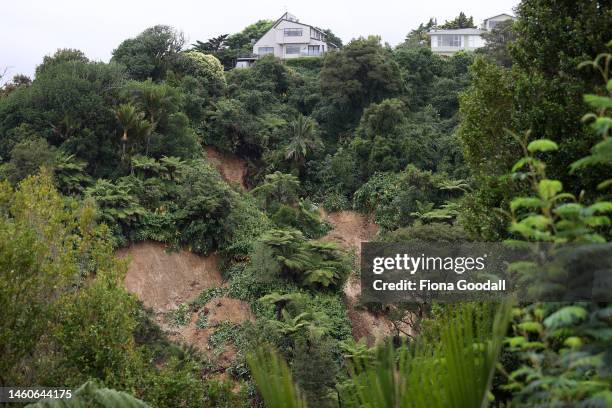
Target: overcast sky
30 29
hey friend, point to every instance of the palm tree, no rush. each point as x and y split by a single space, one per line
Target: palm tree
128 117
303 140
155 100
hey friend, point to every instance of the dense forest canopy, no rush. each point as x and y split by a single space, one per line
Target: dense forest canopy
97 156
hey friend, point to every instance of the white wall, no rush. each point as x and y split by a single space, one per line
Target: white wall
275 38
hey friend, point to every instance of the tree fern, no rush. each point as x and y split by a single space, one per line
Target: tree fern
89 395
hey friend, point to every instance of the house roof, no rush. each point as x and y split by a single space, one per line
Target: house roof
293 19
499 15
458 31
290 17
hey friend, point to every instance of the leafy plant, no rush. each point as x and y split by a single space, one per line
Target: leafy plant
274 380
563 346
90 395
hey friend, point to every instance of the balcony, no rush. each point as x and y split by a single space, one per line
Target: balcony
311 53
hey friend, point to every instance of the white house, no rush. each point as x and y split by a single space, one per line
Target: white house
448 42
288 38
491 22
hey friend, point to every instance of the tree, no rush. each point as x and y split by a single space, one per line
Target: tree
315 370
151 53
278 188
17 82
241 43
332 40
129 119
352 78
35 267
242 40
461 21
61 56
419 37
498 41
549 48
27 157
70 104
214 44
206 68
303 140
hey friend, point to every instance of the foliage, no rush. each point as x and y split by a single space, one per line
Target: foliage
461 21
498 41
419 36
61 56
310 263
463 363
206 68
69 104
394 198
314 370
354 77
151 53
27 157
563 346
119 208
462 359
303 140
274 380
91 395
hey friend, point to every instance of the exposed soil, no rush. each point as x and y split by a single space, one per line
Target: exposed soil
165 279
217 310
232 168
350 229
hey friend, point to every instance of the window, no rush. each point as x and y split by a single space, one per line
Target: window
265 50
493 24
314 50
292 49
315 34
449 40
293 32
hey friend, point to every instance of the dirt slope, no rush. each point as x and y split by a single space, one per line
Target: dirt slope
232 168
350 229
217 310
163 280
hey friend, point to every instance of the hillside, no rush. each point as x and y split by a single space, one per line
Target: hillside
175 232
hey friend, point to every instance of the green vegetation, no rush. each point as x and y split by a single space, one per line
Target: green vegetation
511 142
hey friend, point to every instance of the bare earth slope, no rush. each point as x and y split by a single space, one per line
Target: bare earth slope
163 280
350 229
232 168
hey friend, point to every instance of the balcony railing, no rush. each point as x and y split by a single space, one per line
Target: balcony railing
311 53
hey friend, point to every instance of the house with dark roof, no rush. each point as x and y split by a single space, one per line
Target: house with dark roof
288 38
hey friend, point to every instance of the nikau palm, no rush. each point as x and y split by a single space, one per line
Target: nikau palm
303 140
129 118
